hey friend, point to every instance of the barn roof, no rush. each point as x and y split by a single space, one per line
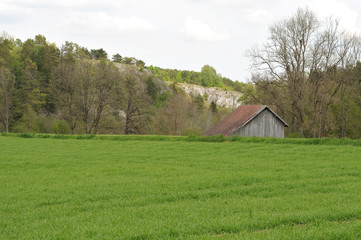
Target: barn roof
239 118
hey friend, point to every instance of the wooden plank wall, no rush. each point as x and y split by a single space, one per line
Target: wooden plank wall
265 124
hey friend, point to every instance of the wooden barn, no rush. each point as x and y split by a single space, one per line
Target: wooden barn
251 120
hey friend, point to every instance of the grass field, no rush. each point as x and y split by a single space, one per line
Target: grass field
101 189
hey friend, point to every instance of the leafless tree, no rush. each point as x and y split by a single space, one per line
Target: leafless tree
301 62
173 116
85 91
96 81
64 88
136 101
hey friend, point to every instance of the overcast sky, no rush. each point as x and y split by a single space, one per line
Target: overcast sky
181 34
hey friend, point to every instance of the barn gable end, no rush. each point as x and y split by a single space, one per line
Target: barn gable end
263 124
254 120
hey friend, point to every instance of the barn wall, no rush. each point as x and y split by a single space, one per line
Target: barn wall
265 124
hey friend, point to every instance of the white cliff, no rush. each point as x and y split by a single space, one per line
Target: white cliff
228 99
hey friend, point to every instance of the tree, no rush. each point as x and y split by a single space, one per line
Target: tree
95 82
129 60
117 58
41 55
107 76
199 102
298 67
173 115
213 107
152 89
98 54
136 101
140 64
7 82
178 77
284 59
6 49
209 76
64 87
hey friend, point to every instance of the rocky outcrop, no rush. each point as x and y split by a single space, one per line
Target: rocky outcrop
223 98
228 99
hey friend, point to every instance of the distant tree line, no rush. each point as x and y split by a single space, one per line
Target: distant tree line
71 89
207 77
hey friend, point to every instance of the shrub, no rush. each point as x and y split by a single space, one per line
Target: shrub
26 135
60 127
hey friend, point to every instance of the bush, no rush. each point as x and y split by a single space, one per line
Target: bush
60 127
26 135
90 136
192 131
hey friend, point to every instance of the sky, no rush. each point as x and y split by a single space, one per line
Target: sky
176 34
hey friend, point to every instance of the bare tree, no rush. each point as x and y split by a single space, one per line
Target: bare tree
95 82
173 116
64 88
136 101
284 59
301 62
85 75
107 76
85 91
7 82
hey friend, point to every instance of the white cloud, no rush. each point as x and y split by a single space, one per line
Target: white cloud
101 23
194 29
228 2
62 3
256 16
7 8
12 14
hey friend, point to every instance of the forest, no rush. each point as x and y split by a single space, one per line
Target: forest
308 71
67 90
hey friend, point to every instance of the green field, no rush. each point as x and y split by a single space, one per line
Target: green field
103 189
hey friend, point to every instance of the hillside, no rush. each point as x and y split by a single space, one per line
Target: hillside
70 89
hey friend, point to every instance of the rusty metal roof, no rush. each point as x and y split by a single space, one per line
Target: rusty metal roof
239 117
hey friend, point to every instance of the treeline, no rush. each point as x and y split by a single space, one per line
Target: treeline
310 73
47 89
207 77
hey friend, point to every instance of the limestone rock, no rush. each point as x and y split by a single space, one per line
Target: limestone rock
228 99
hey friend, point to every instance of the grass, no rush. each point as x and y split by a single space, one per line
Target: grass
177 188
193 138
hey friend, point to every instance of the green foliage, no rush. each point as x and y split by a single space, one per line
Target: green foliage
213 107
192 135
30 121
207 77
179 78
140 64
129 61
26 135
193 190
152 89
205 96
98 54
60 127
199 102
191 132
117 58
162 98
